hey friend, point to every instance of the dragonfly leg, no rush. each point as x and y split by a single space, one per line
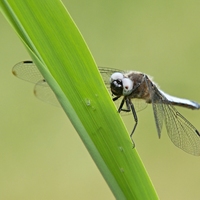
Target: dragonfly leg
135 118
115 98
121 105
130 107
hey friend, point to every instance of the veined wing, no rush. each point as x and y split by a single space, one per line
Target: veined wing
28 71
181 132
43 92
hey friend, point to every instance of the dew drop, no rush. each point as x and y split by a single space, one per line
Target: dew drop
121 170
87 101
121 149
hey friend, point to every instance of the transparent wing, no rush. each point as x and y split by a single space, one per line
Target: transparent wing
181 132
43 92
28 71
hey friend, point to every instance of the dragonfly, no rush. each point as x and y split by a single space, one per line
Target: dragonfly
130 85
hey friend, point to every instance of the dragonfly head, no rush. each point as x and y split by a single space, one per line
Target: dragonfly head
120 85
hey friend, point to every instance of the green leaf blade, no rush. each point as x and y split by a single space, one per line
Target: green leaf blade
63 58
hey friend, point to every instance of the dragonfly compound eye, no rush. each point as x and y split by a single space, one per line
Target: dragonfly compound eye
116 83
127 86
116 76
116 87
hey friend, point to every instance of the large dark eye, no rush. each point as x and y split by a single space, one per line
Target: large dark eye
116 87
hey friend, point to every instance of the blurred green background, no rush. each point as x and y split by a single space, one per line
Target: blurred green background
41 155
